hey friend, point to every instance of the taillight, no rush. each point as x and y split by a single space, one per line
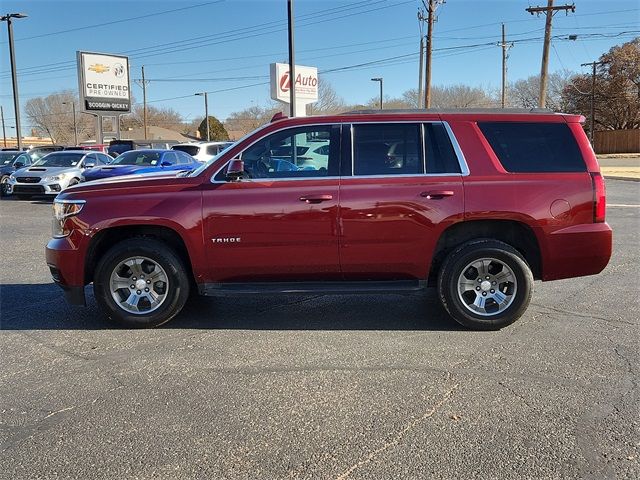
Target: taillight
599 198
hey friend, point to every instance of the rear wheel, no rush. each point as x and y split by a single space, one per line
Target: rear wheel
485 284
141 282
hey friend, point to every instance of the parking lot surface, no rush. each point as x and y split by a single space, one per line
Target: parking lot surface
358 387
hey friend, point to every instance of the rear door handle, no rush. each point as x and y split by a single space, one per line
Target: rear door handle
437 194
315 198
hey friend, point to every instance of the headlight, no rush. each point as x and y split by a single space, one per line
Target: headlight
54 178
12 178
62 211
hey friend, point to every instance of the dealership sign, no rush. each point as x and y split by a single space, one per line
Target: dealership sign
104 83
306 83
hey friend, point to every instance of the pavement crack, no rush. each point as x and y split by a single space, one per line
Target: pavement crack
399 436
516 394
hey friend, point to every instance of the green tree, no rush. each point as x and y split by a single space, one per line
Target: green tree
217 132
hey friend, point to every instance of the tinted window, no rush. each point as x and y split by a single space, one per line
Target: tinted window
440 156
534 147
103 159
137 157
387 149
213 149
60 159
7 157
170 157
284 154
183 158
190 149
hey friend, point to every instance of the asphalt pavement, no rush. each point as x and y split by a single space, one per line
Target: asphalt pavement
357 387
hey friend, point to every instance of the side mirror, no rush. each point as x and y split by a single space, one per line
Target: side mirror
18 165
89 165
235 170
166 164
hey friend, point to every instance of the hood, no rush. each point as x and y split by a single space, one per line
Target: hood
113 170
44 171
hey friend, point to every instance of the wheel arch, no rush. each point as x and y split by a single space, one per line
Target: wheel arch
106 238
517 234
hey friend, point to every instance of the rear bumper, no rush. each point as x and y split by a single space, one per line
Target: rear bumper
576 251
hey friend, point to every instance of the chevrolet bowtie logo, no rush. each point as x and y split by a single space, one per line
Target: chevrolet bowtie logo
99 68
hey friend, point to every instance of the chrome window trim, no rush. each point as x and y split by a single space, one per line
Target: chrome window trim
464 168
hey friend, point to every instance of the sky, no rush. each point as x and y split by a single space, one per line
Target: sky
225 47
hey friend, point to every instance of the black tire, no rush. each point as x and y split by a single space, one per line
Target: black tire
24 197
176 293
74 181
4 185
457 267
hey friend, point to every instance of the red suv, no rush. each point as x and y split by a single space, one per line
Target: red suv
477 203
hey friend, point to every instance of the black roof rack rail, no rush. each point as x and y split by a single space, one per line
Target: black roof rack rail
505 111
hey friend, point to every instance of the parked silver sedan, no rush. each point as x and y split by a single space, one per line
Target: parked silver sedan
54 172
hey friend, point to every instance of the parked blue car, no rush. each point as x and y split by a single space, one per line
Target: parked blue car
143 161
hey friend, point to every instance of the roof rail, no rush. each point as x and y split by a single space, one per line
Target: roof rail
448 110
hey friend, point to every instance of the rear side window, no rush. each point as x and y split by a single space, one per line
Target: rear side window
387 149
190 149
439 153
534 147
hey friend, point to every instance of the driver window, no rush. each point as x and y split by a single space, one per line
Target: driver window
305 152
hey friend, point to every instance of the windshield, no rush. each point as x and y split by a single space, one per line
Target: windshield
137 157
7 157
190 149
59 160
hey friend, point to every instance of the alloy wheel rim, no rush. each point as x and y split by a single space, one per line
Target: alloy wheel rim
139 285
487 286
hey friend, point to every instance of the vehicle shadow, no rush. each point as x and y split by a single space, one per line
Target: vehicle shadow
42 307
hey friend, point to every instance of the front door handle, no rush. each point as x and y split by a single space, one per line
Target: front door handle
315 198
437 194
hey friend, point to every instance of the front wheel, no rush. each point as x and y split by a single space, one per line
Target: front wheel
5 186
485 284
141 282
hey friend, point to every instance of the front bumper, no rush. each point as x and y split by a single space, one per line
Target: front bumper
36 188
65 258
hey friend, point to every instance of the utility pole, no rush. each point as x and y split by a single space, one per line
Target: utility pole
505 55
421 70
14 76
549 11
4 132
379 79
593 97
430 6
206 113
144 103
292 62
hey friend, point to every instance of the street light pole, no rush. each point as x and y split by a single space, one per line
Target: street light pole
379 79
206 113
16 104
75 125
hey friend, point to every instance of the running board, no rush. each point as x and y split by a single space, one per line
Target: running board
322 288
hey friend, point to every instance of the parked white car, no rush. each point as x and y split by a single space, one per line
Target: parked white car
202 151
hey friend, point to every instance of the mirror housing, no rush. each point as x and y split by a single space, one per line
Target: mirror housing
235 170
166 164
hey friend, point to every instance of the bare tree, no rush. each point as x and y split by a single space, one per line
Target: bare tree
251 118
328 100
158 117
524 93
617 92
51 117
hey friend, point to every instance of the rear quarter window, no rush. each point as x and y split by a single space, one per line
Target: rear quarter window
526 147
